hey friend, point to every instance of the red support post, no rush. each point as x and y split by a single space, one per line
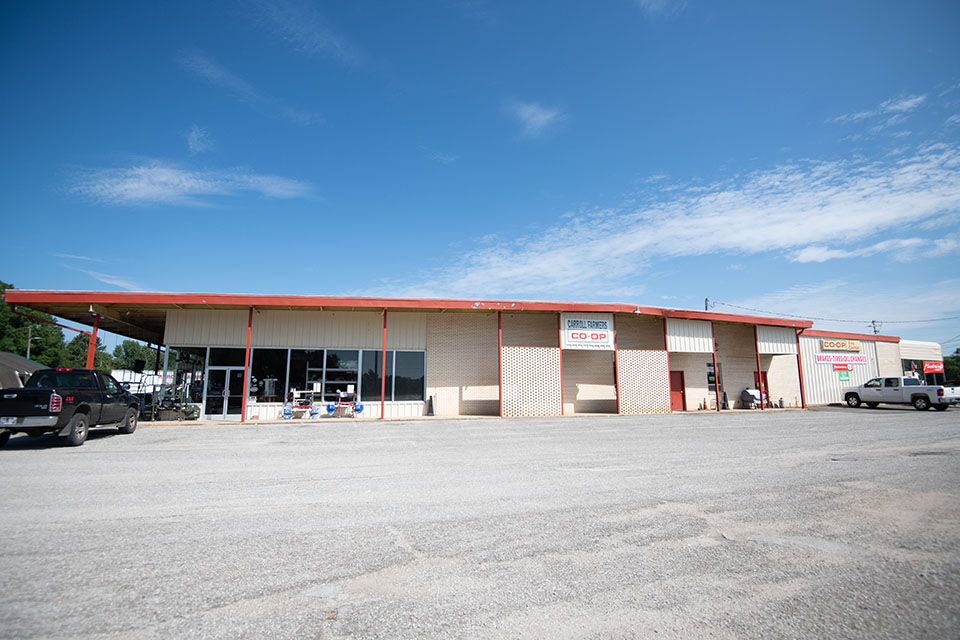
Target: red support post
500 357
803 396
92 343
246 369
383 369
716 370
760 386
560 347
616 363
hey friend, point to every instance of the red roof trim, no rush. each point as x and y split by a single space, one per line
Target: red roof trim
849 336
272 300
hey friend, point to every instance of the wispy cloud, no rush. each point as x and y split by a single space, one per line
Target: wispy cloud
199 141
203 66
439 156
156 182
70 256
901 249
661 8
117 281
535 119
841 305
894 110
300 24
801 208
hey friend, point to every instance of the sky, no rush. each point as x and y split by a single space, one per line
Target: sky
796 159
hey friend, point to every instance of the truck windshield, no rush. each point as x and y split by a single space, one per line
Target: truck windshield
61 379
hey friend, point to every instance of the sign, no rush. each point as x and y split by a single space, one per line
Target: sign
586 331
839 344
840 358
933 367
842 367
844 376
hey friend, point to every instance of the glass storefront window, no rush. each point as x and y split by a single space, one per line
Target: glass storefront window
188 365
303 361
370 379
341 372
227 357
409 376
268 374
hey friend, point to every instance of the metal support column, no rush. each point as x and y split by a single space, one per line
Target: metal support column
92 343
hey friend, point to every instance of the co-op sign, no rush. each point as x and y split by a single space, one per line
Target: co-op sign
586 331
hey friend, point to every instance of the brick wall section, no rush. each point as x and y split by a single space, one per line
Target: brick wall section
530 330
784 378
588 382
888 358
462 363
639 332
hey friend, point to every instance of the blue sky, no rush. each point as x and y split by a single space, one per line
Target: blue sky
795 159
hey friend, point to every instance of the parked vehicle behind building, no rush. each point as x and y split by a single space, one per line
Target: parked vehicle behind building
901 391
67 402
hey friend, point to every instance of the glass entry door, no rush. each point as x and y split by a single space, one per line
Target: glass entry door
224 396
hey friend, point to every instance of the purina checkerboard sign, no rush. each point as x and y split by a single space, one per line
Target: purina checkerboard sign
586 331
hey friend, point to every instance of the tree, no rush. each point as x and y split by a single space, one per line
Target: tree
76 354
126 354
47 339
951 366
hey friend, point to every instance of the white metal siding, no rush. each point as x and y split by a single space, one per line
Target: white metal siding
776 340
821 384
206 327
305 329
689 336
406 330
916 350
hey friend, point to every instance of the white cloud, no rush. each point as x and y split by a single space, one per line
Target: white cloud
301 25
159 183
893 109
954 119
203 66
795 208
198 140
118 281
840 305
534 119
658 8
902 249
70 256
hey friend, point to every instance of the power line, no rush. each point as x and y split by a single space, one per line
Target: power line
773 313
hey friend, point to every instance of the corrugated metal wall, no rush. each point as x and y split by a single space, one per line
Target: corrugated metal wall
689 336
776 340
822 385
298 329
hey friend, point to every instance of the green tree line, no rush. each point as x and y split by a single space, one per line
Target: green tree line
50 349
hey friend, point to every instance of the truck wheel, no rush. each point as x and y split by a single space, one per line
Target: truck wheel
940 407
873 405
4 436
921 403
129 424
79 428
853 400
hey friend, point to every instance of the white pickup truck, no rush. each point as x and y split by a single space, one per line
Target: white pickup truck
901 391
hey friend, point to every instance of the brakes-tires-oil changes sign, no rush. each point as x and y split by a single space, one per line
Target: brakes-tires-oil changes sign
586 331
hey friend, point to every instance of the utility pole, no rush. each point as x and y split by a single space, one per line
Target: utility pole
706 304
29 339
876 327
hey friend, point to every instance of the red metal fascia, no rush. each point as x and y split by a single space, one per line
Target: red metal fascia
733 317
850 336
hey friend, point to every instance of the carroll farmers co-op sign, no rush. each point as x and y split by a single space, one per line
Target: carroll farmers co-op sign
586 331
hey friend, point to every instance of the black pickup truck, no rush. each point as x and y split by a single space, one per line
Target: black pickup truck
68 402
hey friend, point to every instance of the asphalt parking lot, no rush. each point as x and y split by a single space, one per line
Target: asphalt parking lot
833 523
